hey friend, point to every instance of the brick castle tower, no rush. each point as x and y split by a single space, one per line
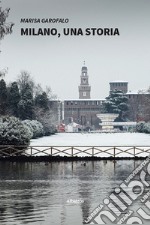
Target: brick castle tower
84 88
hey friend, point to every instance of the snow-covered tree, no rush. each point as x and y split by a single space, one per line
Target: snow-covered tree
116 102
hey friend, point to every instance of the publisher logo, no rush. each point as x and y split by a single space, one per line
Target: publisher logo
116 207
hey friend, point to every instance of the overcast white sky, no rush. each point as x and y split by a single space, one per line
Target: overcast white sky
57 62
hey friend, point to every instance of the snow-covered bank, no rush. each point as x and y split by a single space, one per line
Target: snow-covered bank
93 139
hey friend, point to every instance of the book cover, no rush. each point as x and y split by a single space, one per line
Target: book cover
74 112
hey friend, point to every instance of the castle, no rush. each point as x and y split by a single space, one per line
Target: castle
83 111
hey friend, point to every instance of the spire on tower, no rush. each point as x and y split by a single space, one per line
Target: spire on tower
84 68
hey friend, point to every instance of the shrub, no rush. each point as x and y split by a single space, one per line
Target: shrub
29 127
49 130
13 132
143 127
146 128
35 127
140 127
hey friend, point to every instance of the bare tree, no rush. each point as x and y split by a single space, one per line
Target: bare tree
48 119
3 72
25 78
49 93
38 90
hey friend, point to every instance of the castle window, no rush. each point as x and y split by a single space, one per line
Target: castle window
84 93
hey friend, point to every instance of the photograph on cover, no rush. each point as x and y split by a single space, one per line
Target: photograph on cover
74 112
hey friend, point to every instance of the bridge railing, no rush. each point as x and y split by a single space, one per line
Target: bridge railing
72 151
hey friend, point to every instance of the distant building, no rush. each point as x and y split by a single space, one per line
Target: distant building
83 112
119 85
84 88
139 102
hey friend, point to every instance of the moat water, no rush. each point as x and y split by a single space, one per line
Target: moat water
60 193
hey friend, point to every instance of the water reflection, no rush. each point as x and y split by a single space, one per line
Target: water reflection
35 192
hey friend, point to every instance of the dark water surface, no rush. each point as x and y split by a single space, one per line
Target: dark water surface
35 193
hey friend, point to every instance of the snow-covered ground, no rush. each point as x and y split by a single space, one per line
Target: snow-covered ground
93 139
83 142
